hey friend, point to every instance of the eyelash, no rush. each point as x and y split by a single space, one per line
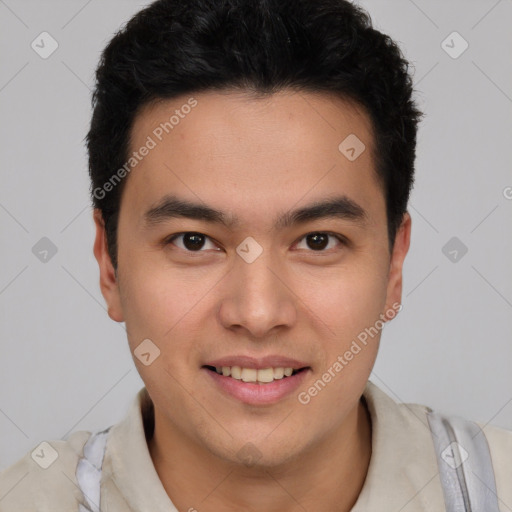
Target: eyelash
343 241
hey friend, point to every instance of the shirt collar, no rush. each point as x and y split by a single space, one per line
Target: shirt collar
132 467
403 474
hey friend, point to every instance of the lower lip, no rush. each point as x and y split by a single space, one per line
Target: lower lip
258 394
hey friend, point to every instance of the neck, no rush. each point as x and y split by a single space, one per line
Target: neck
329 476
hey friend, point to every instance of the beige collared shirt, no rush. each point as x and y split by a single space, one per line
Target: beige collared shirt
403 475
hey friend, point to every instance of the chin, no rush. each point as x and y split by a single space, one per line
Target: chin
252 455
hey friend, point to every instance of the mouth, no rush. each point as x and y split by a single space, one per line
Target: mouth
262 376
256 386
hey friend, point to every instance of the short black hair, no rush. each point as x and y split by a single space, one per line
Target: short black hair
176 47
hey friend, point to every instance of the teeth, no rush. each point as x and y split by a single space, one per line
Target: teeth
249 375
278 373
264 376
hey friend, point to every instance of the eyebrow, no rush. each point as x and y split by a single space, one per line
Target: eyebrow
340 207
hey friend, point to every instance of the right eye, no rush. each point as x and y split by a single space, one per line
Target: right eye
190 241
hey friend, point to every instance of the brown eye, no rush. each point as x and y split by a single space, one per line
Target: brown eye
193 241
190 241
319 240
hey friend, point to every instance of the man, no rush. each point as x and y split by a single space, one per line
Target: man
251 164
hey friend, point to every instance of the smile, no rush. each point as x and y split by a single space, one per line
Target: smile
263 376
256 386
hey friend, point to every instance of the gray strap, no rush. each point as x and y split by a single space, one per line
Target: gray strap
465 465
88 471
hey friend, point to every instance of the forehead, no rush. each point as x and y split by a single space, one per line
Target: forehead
242 114
252 153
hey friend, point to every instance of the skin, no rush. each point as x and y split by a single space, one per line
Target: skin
255 158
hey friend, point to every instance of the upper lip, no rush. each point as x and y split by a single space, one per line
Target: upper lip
258 363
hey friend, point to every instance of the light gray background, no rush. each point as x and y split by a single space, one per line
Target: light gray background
66 366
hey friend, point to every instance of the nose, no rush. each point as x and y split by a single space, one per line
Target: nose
258 298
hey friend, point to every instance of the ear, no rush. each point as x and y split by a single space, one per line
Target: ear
108 280
400 248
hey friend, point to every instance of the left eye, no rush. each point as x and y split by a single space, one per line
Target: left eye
318 241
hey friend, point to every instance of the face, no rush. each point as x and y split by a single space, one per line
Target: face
249 240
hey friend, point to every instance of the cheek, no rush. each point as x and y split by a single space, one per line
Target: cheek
152 300
347 300
166 306
350 307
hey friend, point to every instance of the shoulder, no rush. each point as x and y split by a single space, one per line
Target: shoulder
44 478
500 446
500 442
405 429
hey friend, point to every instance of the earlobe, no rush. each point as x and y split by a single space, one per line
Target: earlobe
108 280
400 249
